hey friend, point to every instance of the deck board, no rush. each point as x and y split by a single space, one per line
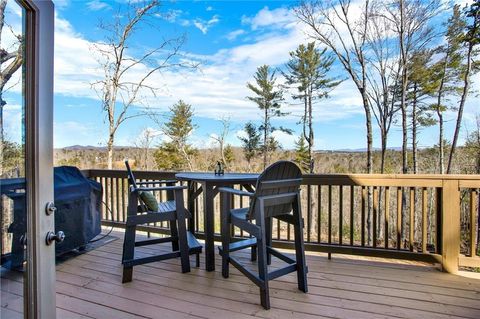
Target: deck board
89 286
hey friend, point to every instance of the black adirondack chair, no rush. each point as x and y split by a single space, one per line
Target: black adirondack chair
277 195
173 211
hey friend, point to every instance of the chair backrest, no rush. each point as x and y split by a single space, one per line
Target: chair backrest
131 178
278 187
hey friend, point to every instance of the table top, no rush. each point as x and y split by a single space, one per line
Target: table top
211 177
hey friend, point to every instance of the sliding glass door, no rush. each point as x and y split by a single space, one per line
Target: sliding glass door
26 177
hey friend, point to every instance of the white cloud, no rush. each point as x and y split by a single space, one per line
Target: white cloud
171 15
287 141
234 34
97 5
220 88
13 122
203 25
61 4
209 8
85 132
75 63
280 17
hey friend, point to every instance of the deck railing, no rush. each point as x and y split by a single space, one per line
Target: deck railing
431 218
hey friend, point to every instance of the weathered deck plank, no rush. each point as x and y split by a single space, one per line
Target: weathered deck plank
89 286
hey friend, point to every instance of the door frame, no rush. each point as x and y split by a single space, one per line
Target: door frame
39 45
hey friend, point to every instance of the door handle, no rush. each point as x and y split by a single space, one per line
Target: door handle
52 237
50 208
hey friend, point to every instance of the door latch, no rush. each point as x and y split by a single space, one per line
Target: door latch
50 208
52 237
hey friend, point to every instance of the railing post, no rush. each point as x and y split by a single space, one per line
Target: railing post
450 225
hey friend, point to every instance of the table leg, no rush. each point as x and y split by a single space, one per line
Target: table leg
209 226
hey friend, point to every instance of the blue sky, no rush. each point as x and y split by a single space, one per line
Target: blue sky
231 39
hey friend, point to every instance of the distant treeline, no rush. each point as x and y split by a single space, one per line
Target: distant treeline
326 162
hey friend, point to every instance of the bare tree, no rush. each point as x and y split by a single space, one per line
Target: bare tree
335 26
220 139
326 21
410 20
144 143
120 89
382 75
10 61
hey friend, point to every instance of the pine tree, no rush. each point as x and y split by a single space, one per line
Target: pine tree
446 75
177 153
419 91
268 97
302 155
470 39
228 154
307 72
251 142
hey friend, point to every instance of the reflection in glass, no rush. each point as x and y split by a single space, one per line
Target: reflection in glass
12 161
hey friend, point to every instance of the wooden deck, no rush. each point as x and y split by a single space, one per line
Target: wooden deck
89 286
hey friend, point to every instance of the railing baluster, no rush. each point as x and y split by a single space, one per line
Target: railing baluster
375 212
288 231
437 227
364 196
309 212
112 199
241 206
340 215
104 198
473 222
399 217
352 210
387 214
278 229
329 214
424 220
117 199
438 224
319 214
329 217
411 227
197 215
124 210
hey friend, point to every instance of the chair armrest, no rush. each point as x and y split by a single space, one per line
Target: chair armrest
162 188
156 182
235 191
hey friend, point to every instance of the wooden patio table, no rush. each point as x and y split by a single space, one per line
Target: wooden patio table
210 183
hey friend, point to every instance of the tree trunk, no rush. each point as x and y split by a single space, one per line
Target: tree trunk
466 86
110 151
310 133
383 151
2 103
403 107
441 155
368 124
186 157
441 166
414 129
222 152
265 137
404 141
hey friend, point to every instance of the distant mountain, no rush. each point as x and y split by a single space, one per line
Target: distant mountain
91 147
341 150
357 150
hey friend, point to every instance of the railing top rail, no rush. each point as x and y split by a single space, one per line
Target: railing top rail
393 180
